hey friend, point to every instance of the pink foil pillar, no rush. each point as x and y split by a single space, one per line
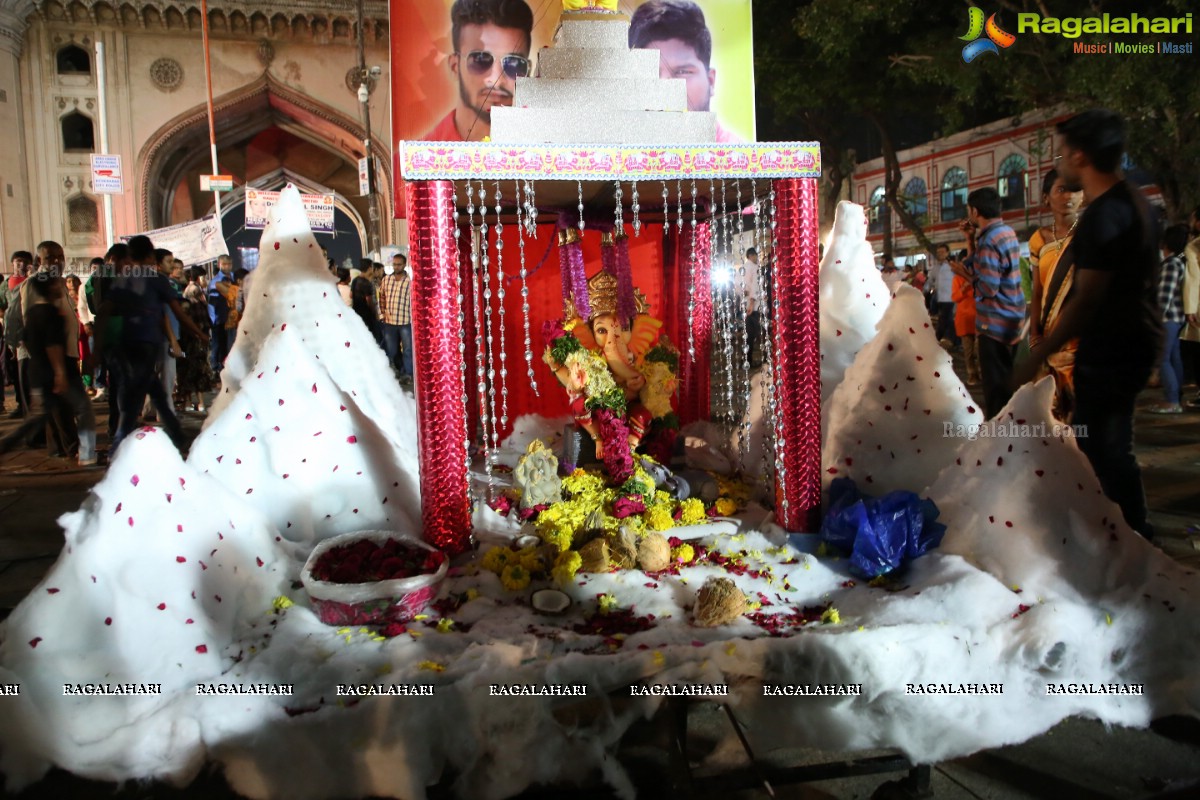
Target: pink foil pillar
694 283
798 342
441 417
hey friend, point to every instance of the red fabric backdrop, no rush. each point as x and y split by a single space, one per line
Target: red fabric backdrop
646 253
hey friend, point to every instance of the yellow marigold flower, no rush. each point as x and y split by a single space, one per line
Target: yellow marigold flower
658 518
532 561
693 511
831 617
282 602
432 666
565 567
560 536
581 482
684 554
570 324
496 559
607 603
472 594
725 507
659 658
730 648
445 625
515 578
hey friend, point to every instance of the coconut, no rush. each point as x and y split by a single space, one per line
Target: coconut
595 557
654 552
623 549
550 601
719 602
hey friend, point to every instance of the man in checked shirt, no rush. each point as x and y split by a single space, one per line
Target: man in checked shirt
395 315
992 266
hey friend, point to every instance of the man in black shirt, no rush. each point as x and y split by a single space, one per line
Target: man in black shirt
1110 305
56 385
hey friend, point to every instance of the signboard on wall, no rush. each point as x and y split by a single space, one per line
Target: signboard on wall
443 90
318 207
106 174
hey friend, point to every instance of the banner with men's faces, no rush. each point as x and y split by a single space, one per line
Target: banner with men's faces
446 78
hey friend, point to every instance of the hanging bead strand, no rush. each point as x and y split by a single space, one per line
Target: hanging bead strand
691 272
500 294
522 221
462 352
490 432
618 213
581 224
666 212
637 208
478 272
780 441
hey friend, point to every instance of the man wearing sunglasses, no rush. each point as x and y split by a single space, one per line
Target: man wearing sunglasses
491 40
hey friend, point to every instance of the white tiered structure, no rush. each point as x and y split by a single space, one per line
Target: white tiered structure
592 88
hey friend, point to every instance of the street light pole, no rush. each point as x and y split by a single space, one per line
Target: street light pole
364 98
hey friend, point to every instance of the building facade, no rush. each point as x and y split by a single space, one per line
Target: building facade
1013 155
285 81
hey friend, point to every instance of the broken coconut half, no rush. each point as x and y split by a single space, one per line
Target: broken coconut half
550 601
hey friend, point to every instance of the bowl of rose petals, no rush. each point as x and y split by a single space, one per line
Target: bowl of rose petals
372 577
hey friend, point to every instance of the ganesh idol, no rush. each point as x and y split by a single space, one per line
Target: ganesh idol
608 354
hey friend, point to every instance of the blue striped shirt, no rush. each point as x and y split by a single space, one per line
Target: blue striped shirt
995 268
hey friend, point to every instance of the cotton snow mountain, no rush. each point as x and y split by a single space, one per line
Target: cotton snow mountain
886 423
167 577
309 417
853 296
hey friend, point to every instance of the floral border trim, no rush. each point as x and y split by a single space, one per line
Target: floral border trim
500 161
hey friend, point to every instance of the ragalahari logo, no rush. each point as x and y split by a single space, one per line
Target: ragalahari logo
997 38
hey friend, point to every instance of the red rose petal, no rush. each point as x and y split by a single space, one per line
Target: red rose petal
203 648
108 620
162 606
34 641
351 440
52 591
189 621
258 561
276 247
134 480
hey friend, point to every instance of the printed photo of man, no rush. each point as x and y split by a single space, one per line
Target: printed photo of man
491 40
678 31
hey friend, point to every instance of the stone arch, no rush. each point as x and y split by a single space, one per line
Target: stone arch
182 144
130 16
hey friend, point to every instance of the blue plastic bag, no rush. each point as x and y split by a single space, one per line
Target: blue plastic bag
880 534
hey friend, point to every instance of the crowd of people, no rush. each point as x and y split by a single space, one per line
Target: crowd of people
1107 299
139 330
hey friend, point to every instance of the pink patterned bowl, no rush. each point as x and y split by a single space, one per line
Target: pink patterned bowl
376 602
